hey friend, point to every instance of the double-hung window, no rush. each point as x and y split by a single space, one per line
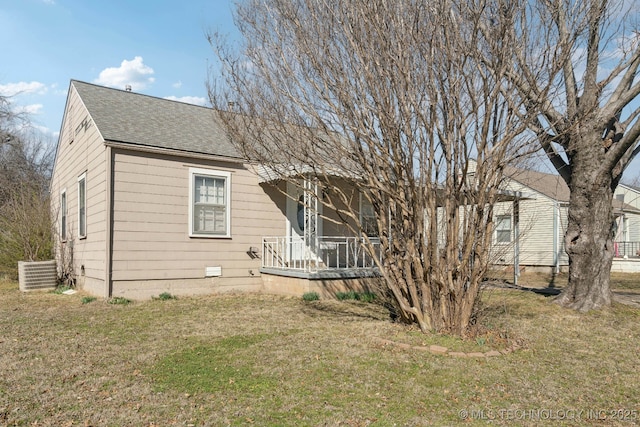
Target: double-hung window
82 206
209 203
503 229
63 215
368 221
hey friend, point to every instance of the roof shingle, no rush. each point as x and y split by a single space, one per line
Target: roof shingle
142 120
552 186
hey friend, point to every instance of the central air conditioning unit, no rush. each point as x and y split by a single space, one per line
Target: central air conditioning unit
37 275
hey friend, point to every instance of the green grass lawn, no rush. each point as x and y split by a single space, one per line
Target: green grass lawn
266 360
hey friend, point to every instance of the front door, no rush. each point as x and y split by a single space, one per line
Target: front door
303 224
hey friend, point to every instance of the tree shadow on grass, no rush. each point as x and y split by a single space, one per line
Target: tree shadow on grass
346 309
549 291
620 296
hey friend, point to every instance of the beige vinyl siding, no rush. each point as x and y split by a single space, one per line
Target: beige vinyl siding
332 222
564 211
151 215
634 228
536 230
81 150
631 197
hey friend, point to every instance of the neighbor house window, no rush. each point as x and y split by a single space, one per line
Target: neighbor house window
209 204
82 206
63 215
367 217
503 229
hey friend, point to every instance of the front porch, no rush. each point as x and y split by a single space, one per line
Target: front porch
626 258
325 265
626 249
320 257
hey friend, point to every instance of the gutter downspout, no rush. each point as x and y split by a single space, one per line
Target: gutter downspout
109 222
516 238
556 217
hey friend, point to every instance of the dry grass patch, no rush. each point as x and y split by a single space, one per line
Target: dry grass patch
266 360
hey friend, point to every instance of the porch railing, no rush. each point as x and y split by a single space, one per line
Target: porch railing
626 249
323 253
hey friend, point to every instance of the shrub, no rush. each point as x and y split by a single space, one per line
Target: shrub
311 296
25 229
367 296
351 295
357 296
119 301
165 296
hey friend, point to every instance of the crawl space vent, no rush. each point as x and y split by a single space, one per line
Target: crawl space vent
213 272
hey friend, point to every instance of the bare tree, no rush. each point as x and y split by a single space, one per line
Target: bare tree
25 155
25 167
25 228
575 65
378 99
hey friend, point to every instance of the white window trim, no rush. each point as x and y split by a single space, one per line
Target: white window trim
81 235
227 188
361 217
498 217
63 216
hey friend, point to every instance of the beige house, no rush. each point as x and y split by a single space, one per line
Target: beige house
534 235
149 196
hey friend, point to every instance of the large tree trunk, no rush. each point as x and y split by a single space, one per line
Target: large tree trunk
590 233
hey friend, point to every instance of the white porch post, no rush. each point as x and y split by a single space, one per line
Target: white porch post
516 240
310 187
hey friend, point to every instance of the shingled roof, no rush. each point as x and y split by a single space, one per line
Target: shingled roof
146 121
554 187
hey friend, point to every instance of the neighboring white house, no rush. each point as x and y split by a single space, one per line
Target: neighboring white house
627 246
535 233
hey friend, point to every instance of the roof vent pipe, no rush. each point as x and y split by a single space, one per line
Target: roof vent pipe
127 88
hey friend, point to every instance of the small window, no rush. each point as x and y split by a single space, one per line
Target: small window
82 206
209 204
63 215
368 220
503 229
300 212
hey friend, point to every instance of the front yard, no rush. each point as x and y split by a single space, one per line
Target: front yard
265 360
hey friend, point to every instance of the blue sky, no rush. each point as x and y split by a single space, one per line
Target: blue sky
159 47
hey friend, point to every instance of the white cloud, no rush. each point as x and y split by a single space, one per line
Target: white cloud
51 2
196 100
12 89
177 84
44 132
133 73
30 109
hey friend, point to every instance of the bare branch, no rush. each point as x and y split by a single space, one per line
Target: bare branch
360 95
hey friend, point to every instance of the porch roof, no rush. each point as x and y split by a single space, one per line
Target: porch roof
270 174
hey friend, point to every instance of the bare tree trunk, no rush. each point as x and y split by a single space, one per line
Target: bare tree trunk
579 99
590 232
